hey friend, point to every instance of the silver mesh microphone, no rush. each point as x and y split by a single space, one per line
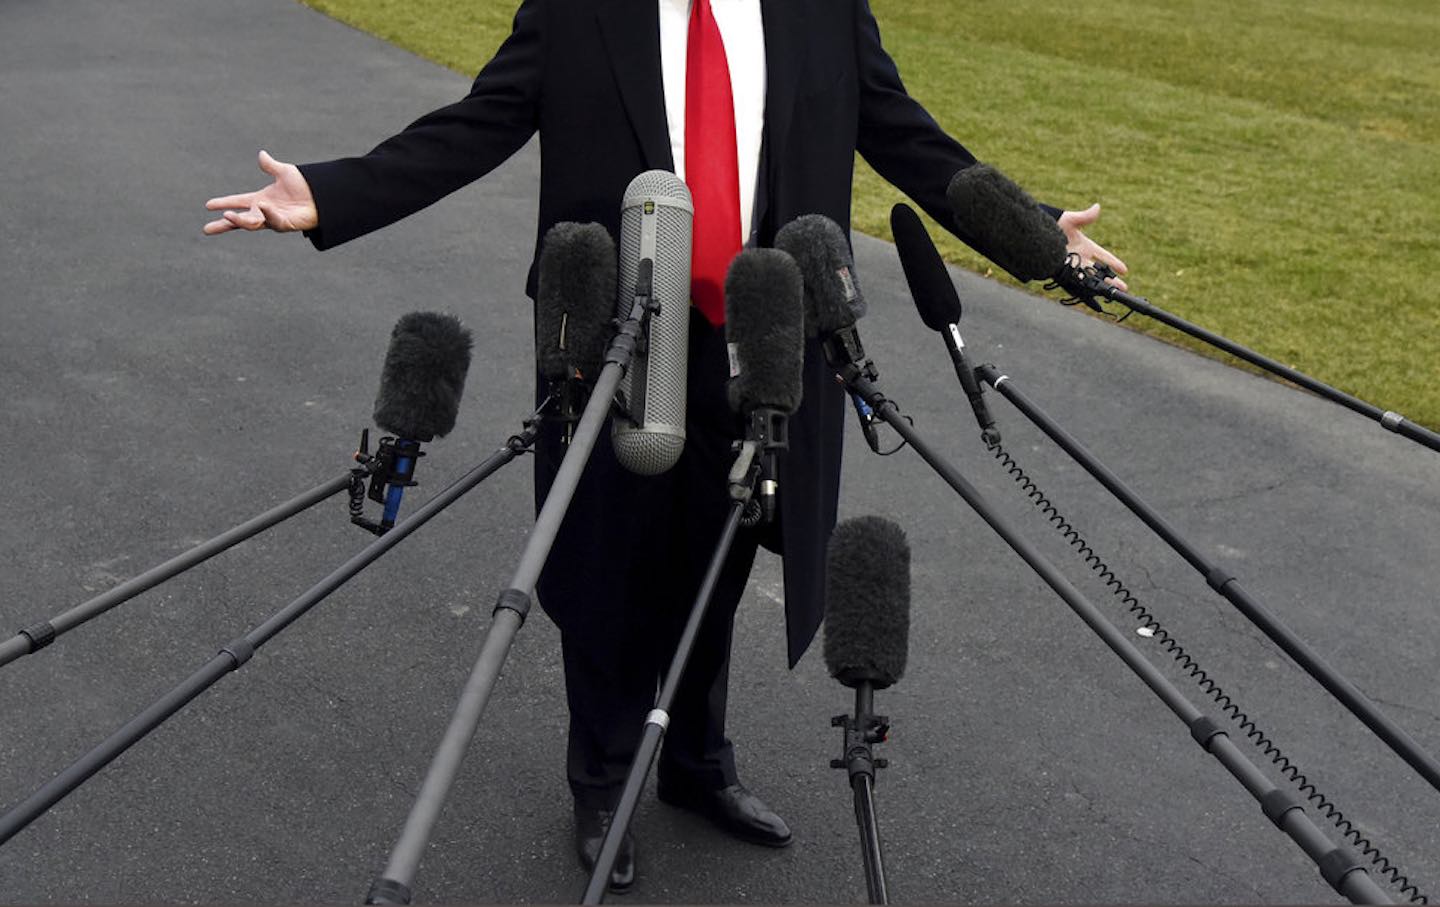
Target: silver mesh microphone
655 220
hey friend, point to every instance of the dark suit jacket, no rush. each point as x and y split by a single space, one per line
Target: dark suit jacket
586 74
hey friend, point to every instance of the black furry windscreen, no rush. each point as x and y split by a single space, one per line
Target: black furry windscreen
1005 224
423 376
867 602
765 327
574 300
832 295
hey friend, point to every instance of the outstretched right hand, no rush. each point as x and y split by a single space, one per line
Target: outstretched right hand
283 206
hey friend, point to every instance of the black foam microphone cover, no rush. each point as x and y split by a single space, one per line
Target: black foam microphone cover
423 376
925 272
832 297
574 300
1005 224
867 602
765 328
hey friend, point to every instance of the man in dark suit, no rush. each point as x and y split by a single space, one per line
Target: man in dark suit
596 79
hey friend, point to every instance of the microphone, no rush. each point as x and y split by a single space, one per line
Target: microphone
867 624
832 297
1010 228
577 285
765 332
939 306
419 398
648 432
867 603
833 300
1006 225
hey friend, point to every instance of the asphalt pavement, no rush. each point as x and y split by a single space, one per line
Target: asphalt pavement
161 386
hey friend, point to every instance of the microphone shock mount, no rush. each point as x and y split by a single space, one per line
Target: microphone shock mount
391 466
769 431
1083 284
861 733
866 407
863 730
565 400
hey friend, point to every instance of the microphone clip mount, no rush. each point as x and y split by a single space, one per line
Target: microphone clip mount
564 402
1083 284
391 466
844 352
769 429
862 731
767 432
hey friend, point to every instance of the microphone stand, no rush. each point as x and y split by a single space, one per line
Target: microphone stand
1089 282
511 609
236 653
33 639
1359 705
1341 868
765 436
861 731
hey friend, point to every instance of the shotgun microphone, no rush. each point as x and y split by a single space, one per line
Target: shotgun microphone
1006 225
648 432
939 305
867 625
765 331
833 300
867 603
1010 228
573 304
419 398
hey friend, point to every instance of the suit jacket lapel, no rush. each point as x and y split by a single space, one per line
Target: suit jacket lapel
631 31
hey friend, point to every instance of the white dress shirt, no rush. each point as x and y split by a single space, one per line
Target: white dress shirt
743 32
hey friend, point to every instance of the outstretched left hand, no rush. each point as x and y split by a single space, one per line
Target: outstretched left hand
1072 223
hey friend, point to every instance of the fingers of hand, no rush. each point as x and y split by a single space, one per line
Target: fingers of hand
251 219
1072 222
1115 264
1098 253
273 219
243 200
215 227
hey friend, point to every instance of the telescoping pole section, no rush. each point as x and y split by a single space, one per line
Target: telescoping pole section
659 718
1094 281
1395 737
33 639
235 654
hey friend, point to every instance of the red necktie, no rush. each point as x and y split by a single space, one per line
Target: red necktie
711 167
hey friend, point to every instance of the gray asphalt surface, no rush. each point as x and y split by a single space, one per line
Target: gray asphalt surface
162 386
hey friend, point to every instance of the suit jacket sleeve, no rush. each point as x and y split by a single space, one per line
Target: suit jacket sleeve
898 137
440 152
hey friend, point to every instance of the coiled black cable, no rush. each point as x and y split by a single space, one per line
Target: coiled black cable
1288 768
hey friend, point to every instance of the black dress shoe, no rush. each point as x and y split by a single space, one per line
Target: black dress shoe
735 810
590 826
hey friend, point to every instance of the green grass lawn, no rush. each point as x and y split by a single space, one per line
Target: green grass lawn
1268 170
